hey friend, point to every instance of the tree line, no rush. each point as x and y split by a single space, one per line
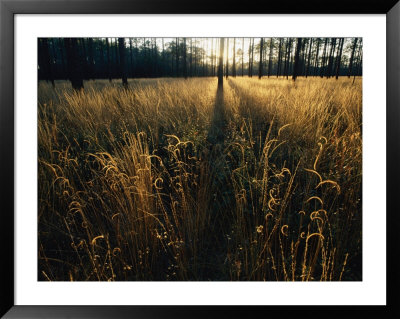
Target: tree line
79 59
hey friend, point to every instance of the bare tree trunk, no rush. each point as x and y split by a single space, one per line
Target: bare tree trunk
212 56
252 58
205 57
136 57
271 44
195 58
358 64
248 68
287 61
108 60
215 57
234 58
61 48
242 55
131 55
177 56
251 55
352 58
286 54
316 63
163 58
84 59
184 59
339 58
74 63
191 57
309 58
331 54
227 61
102 64
260 65
47 66
322 73
221 64
155 58
302 61
278 69
121 46
296 59
53 58
91 59
117 60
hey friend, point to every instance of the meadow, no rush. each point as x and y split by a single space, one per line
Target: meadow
172 179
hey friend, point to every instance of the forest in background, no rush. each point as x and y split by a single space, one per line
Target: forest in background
110 58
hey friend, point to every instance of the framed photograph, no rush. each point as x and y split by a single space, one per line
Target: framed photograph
167 159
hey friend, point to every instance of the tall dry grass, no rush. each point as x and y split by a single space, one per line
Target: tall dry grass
172 180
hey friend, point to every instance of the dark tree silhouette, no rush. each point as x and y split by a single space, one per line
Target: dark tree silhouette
278 69
221 64
339 58
322 73
242 55
84 59
121 45
101 63
91 62
260 67
212 58
296 59
177 56
163 58
316 63
331 58
227 61
251 47
234 58
309 58
271 45
287 60
215 57
74 63
131 56
45 63
191 58
349 73
195 58
117 59
359 62
108 60
184 59
62 56
302 60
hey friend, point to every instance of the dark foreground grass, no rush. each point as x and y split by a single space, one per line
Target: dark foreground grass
172 180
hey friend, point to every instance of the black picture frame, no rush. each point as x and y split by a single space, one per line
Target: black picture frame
8 8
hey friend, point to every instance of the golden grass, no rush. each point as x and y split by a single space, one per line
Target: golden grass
172 180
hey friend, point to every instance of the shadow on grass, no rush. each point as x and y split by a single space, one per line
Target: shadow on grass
221 193
217 131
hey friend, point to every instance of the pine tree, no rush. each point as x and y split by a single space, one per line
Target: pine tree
121 45
221 64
